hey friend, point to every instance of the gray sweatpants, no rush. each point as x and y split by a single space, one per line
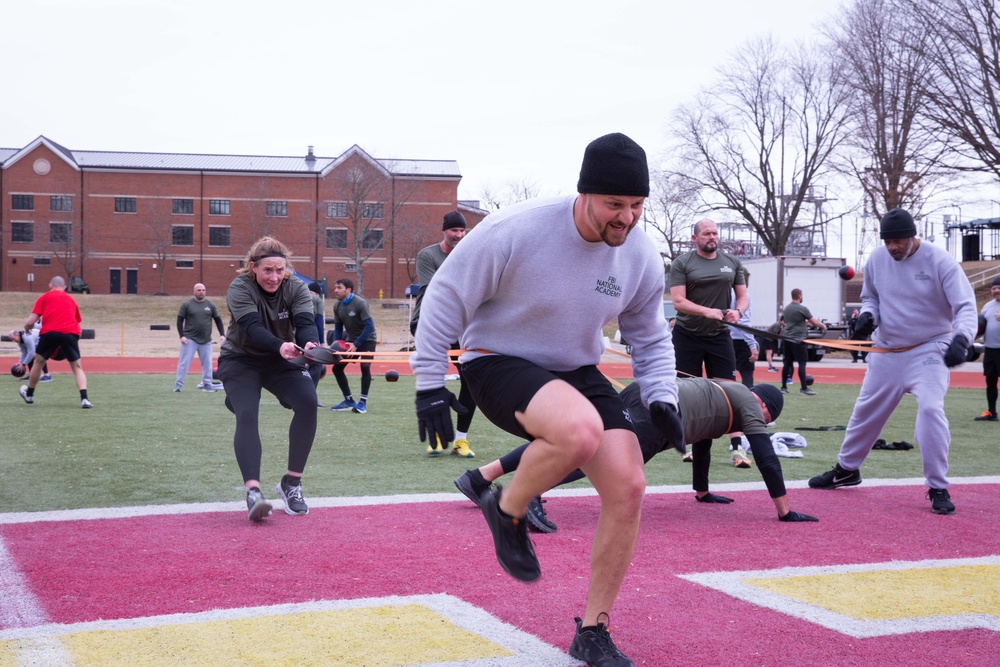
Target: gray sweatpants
921 372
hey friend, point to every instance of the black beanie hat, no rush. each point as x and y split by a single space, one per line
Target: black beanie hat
897 224
772 398
996 281
614 165
453 219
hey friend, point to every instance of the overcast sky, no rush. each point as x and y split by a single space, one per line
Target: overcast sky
511 90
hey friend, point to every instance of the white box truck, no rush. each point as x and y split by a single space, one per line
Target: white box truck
772 280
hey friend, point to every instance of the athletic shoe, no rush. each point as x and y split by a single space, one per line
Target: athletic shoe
45 378
510 538
987 416
177 390
320 405
208 388
461 448
538 520
784 390
437 449
739 458
257 506
807 392
471 489
797 517
23 390
292 496
940 501
360 408
832 479
344 405
772 369
85 404
688 457
25 378
595 647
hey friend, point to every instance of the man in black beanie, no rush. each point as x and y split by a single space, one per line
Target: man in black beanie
989 328
528 294
925 310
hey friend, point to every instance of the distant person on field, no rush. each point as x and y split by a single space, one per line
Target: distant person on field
26 344
797 318
990 316
194 325
59 335
772 346
317 371
355 328
852 323
271 320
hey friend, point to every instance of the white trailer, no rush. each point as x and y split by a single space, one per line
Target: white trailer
772 280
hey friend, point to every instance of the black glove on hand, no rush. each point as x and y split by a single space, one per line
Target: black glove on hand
667 420
797 517
713 498
864 327
956 351
434 414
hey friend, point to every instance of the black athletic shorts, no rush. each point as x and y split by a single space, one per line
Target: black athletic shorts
502 386
57 346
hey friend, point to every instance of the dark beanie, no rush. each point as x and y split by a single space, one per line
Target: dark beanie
996 281
897 224
772 398
453 219
614 165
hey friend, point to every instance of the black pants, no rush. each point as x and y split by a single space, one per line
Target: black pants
715 352
794 353
744 366
366 372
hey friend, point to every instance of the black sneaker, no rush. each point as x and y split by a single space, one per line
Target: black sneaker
257 506
940 501
832 479
538 520
510 539
469 487
987 416
595 647
292 495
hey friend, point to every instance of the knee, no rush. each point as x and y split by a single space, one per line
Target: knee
582 438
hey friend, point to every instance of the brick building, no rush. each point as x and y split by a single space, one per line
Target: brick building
149 223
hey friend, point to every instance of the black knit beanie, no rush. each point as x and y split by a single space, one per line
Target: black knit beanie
614 165
772 398
453 219
897 224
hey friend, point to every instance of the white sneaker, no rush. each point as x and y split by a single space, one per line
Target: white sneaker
24 394
86 405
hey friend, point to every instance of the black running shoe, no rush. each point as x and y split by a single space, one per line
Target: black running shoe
469 487
257 506
595 647
510 539
940 501
832 479
292 496
538 520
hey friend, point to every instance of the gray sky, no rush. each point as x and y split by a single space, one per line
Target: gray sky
511 90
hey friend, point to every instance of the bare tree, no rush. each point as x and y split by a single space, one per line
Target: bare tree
412 236
668 210
965 94
510 192
892 150
66 248
758 141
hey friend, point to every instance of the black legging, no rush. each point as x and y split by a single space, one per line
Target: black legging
366 372
243 378
794 353
465 398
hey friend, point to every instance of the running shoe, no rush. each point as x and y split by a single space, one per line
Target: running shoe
257 506
538 520
344 405
23 390
510 538
739 458
292 497
837 477
461 448
471 489
987 416
940 501
594 646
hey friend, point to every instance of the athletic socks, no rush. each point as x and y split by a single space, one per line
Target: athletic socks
461 435
735 443
30 391
289 481
83 394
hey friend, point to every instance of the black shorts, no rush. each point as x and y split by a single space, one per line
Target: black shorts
502 386
57 346
691 350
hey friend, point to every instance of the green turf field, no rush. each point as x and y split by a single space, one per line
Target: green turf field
143 444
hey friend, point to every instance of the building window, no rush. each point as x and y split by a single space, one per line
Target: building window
185 264
182 235
372 239
336 238
124 204
218 237
183 207
22 202
60 203
277 209
218 207
43 261
336 209
370 211
22 232
351 267
60 232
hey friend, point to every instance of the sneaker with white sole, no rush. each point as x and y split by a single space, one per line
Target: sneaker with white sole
594 646
344 405
835 478
940 501
23 390
292 497
45 378
739 458
86 404
360 408
257 505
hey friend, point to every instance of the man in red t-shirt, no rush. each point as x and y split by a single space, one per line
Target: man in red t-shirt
60 335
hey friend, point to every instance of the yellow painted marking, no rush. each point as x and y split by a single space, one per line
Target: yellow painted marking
367 637
896 594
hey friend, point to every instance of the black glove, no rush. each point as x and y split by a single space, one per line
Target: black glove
667 420
434 414
797 517
713 498
956 351
864 327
